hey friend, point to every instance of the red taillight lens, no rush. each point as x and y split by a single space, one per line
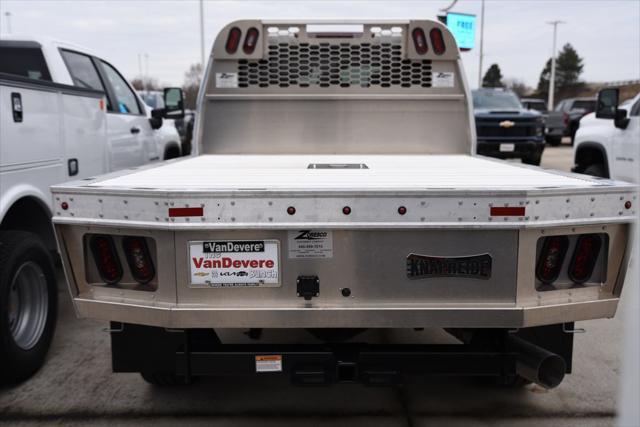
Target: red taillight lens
419 41
139 259
233 40
565 118
551 258
584 257
251 40
106 258
437 41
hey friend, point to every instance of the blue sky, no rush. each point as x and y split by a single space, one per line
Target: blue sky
605 33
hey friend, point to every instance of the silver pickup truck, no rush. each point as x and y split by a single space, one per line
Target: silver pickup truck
335 193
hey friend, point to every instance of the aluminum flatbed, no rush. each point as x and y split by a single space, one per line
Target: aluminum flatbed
235 191
336 189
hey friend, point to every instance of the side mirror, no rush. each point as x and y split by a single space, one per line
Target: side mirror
607 108
173 103
607 103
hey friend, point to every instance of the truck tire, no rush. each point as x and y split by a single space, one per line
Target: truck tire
28 305
533 159
553 141
596 169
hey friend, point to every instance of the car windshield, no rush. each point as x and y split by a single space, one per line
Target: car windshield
586 105
151 100
495 99
538 106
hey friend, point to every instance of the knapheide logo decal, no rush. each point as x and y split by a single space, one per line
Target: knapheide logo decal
471 267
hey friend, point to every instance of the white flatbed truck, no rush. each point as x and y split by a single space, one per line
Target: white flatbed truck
336 192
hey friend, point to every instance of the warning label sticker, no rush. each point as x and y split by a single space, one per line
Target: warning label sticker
240 263
442 79
310 244
269 363
227 80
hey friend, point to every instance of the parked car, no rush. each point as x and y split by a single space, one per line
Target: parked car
505 129
565 119
185 129
535 104
65 113
607 143
167 136
331 217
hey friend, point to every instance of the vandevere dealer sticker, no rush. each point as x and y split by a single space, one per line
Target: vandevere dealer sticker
234 263
227 80
310 244
442 79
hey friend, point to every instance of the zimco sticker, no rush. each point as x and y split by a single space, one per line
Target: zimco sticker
234 263
442 79
310 244
227 80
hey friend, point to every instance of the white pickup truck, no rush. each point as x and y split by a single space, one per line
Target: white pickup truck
336 191
65 113
607 143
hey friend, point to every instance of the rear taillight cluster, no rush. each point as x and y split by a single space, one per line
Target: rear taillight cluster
107 258
234 37
420 41
585 252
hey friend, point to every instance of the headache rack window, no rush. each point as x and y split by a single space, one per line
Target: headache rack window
379 63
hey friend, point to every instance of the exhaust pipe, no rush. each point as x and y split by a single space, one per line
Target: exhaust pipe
537 364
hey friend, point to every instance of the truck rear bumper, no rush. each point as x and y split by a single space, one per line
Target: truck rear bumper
468 316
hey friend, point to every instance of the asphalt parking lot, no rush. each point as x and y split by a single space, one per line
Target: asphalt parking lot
76 387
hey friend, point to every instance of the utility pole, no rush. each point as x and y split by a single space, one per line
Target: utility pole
140 69
146 72
202 34
8 16
552 79
481 45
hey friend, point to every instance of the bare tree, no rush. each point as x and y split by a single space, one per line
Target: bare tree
518 86
140 83
192 79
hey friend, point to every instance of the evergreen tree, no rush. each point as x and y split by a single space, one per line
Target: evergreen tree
493 77
569 66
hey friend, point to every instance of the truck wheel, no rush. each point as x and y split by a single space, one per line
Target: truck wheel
553 141
28 305
163 379
533 159
595 170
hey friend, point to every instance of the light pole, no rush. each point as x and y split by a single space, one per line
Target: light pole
202 34
481 45
552 79
8 16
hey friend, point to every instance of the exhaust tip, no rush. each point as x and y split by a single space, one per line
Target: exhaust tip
551 371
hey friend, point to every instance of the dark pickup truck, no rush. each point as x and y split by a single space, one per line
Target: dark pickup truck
564 120
505 128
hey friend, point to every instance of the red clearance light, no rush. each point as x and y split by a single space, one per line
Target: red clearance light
139 259
584 257
551 258
233 40
437 41
419 41
106 258
507 211
180 212
251 40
